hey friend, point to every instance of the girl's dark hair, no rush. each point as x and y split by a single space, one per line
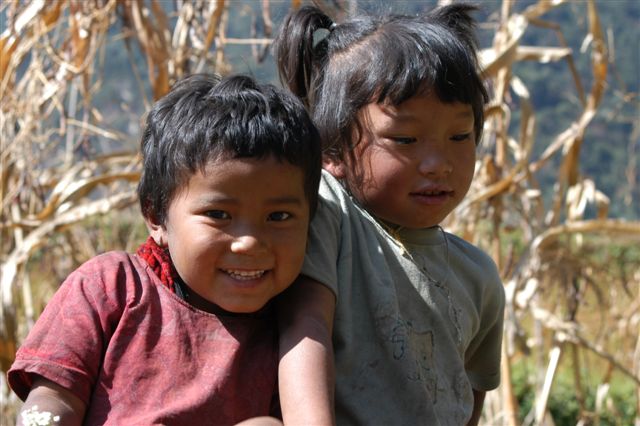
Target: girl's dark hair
387 58
205 118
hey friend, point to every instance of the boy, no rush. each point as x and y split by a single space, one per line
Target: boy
183 331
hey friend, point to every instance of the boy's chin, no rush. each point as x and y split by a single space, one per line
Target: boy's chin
222 306
241 308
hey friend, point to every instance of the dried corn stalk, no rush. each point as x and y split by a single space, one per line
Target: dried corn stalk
555 239
61 165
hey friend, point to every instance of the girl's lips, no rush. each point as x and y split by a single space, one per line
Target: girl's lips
432 197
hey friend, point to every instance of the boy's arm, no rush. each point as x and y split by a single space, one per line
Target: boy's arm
48 400
306 371
478 402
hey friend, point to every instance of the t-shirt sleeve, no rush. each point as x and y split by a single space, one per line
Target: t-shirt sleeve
482 359
325 239
66 344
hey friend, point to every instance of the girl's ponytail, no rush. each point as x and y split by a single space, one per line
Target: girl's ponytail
457 17
296 51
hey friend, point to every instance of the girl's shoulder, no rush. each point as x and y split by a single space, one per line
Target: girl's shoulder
335 198
334 203
476 264
471 252
331 190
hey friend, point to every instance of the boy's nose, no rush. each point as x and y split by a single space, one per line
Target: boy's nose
247 244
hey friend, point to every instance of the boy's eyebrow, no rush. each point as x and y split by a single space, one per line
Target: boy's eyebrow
286 200
274 200
467 113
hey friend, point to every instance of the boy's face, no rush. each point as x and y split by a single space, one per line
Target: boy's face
237 233
415 163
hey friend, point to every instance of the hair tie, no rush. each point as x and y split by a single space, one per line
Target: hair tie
321 34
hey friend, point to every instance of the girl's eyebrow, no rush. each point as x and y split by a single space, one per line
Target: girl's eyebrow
393 113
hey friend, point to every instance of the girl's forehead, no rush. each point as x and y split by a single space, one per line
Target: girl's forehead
418 105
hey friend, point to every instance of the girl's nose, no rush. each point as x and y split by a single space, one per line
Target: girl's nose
435 163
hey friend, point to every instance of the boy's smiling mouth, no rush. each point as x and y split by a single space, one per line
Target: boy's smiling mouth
244 274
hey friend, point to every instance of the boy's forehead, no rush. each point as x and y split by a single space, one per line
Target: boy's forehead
269 163
252 174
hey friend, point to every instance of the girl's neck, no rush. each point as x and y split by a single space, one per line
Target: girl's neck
430 235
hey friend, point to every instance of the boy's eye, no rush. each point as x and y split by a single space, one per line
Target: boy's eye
279 216
218 214
461 137
403 140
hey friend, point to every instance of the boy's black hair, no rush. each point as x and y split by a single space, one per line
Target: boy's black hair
205 118
386 58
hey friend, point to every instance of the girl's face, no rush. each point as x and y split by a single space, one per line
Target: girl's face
237 232
415 162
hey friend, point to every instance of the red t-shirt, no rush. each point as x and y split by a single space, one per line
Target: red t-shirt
136 353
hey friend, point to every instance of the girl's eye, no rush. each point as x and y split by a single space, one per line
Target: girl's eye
403 140
279 216
461 137
218 214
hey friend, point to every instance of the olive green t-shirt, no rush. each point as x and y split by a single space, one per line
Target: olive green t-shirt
418 324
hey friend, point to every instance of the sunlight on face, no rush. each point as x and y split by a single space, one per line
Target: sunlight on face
237 232
416 160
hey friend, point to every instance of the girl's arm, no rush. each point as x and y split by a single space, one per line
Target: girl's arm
50 401
478 402
306 371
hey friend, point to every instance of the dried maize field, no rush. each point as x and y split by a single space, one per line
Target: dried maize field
69 167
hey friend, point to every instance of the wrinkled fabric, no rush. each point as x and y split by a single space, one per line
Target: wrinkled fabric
135 353
418 320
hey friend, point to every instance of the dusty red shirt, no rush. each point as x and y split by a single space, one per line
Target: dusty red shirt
135 353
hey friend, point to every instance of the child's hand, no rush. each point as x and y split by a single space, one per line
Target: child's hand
50 404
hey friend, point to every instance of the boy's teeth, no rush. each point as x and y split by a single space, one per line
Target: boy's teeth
244 275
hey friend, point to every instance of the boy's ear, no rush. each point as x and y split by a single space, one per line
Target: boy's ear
335 167
157 230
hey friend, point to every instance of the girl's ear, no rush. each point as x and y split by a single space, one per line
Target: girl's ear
335 167
157 231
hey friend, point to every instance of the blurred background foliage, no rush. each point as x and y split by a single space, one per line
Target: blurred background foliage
554 201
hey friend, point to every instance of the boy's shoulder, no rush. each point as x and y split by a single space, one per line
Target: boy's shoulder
107 259
110 261
114 271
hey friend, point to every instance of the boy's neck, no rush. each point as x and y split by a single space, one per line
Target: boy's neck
194 299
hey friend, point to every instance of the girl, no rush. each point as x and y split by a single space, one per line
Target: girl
416 312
